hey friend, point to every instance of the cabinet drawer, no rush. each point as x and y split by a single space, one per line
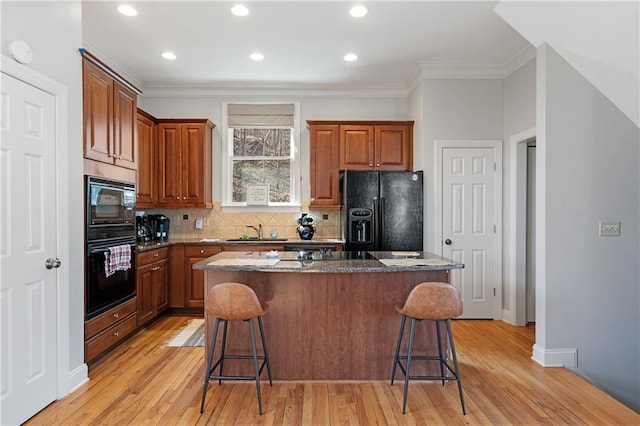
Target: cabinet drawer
201 251
146 257
102 321
109 337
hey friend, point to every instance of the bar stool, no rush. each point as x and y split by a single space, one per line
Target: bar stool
235 302
437 302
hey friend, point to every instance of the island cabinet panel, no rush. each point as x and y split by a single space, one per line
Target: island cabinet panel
147 173
194 279
176 277
109 110
383 146
329 326
324 166
184 163
151 282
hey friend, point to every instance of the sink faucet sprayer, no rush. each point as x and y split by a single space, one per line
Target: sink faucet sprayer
258 230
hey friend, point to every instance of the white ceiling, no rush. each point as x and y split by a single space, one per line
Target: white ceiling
303 41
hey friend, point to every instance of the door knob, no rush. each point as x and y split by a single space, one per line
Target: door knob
52 263
447 242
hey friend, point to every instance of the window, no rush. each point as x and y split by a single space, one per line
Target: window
262 150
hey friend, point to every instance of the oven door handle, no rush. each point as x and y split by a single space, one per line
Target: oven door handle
104 250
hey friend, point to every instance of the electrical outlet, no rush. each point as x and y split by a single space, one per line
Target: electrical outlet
325 217
609 229
198 224
185 217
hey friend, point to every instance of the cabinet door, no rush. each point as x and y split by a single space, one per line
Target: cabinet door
393 147
161 294
169 163
144 293
193 164
98 113
194 278
324 167
356 147
146 175
125 143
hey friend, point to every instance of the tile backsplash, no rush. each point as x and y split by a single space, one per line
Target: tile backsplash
217 224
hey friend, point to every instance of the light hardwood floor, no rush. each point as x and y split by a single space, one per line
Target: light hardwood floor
143 382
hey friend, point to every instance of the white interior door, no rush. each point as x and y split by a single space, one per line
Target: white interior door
468 226
28 290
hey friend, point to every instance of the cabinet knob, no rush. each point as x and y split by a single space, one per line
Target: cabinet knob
370 165
177 198
201 251
116 315
117 333
378 165
313 199
184 198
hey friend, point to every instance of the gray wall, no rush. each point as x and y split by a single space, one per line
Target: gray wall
54 32
588 286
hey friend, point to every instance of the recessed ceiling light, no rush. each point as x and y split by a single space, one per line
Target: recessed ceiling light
257 56
240 10
350 57
127 10
169 55
358 11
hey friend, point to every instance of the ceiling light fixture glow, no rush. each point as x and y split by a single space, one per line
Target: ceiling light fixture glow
127 10
169 56
358 11
240 10
257 56
350 57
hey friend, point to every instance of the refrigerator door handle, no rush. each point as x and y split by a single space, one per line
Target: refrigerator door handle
376 223
381 209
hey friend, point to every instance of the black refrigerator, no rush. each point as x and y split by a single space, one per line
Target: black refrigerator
382 210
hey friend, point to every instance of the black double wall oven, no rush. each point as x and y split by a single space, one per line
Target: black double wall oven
110 221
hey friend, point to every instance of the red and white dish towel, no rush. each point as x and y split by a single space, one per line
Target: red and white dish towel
117 258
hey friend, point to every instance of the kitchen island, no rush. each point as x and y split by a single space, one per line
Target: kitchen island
332 315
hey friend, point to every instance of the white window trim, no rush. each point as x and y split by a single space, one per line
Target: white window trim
227 205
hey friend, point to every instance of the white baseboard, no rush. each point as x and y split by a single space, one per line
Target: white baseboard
78 377
567 358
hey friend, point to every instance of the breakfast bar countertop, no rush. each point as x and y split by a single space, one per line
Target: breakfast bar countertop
319 262
152 245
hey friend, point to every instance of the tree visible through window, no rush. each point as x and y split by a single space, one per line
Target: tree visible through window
262 156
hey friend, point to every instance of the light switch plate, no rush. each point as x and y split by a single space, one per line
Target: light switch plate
609 229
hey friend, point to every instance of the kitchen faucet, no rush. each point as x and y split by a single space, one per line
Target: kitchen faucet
258 230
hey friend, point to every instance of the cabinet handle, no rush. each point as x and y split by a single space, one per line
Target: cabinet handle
116 333
116 315
155 269
156 254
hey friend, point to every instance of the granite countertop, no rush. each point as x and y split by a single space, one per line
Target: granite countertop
152 245
337 262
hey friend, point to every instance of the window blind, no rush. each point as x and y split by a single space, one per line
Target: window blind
260 115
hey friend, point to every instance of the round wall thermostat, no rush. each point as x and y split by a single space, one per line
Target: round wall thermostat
21 51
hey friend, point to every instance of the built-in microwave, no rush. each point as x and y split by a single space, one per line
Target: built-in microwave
110 208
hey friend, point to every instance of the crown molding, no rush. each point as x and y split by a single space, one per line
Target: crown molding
112 63
240 90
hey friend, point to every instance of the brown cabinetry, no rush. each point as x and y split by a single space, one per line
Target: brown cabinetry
194 279
376 146
109 109
109 328
184 163
151 283
147 173
324 165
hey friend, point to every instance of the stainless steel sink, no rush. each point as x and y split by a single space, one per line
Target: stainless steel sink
255 240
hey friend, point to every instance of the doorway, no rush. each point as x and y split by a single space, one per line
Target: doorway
531 232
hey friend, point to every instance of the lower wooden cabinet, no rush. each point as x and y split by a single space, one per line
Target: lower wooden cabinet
194 279
109 328
151 284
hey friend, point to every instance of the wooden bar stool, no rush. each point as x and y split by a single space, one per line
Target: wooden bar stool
235 302
438 302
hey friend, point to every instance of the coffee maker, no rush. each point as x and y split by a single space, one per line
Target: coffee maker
143 229
159 226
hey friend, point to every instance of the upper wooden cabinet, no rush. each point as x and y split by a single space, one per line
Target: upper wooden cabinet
376 146
184 163
109 118
324 145
354 145
147 173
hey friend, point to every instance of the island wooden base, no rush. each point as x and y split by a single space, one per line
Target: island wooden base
328 326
